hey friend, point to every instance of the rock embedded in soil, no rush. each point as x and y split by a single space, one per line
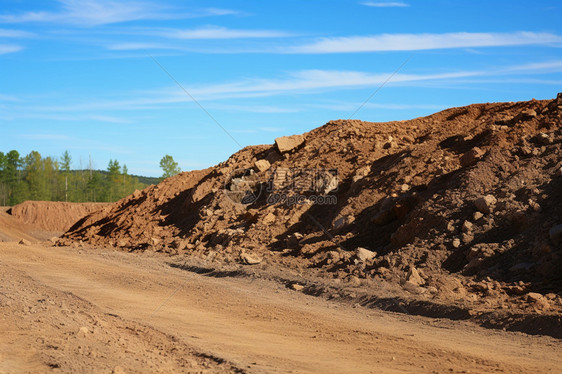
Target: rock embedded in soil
262 165
534 297
293 240
485 204
414 276
249 260
364 255
525 115
543 138
269 219
467 226
456 243
471 157
297 287
477 215
342 222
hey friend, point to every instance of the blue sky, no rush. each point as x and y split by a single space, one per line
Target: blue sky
83 76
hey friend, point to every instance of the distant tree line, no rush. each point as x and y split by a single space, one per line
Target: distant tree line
33 177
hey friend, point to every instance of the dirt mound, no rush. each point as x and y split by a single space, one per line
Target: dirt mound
463 207
53 216
13 229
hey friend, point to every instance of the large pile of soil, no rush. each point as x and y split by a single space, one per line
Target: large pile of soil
13 229
53 216
462 206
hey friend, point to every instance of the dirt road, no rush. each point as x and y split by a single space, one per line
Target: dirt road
86 310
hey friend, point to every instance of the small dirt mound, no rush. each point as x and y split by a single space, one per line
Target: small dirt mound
14 230
458 207
53 216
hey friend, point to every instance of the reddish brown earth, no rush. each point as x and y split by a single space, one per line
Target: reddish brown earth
453 216
406 191
97 310
53 216
13 229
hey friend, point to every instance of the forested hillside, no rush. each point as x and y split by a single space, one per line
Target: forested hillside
33 177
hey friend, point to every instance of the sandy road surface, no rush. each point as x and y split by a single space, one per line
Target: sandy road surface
70 310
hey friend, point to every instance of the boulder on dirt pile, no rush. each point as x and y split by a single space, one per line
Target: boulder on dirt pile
269 219
294 239
288 143
249 260
414 276
364 254
297 287
543 139
262 165
24 242
525 115
485 204
471 157
342 222
467 226
534 297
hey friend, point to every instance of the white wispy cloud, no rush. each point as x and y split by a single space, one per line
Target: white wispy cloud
31 112
5 48
106 119
100 12
385 4
252 108
7 33
217 32
312 81
133 46
541 67
415 42
350 106
301 82
271 129
171 38
218 12
10 98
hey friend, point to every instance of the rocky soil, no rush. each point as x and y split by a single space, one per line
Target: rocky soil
458 213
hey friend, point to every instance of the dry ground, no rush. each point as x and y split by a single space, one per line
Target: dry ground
101 311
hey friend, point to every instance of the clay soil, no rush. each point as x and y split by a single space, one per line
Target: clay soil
97 310
434 246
